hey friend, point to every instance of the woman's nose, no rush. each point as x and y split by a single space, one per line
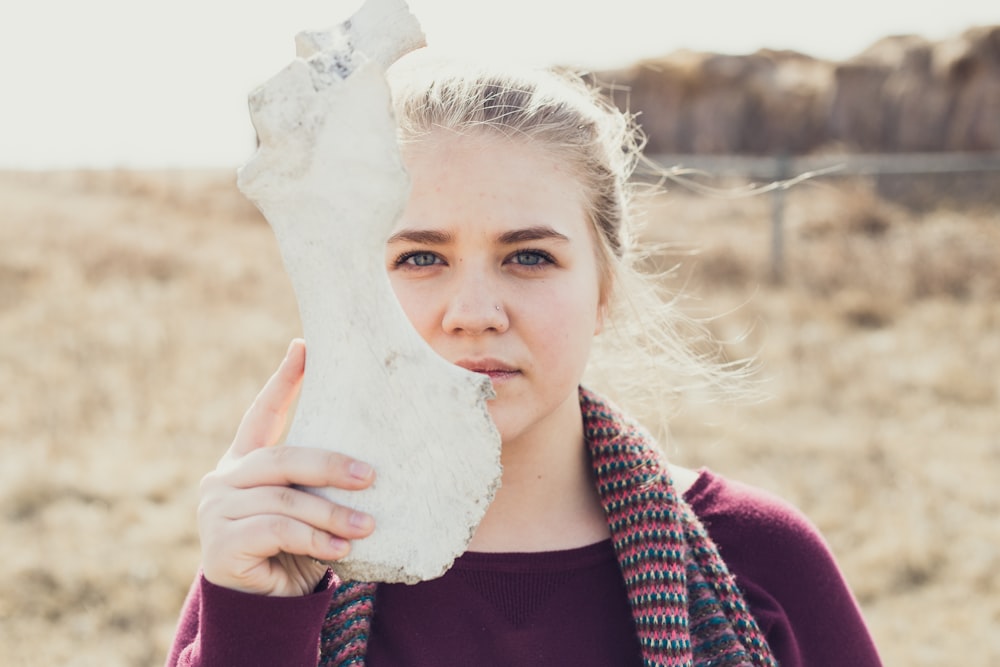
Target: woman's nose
474 308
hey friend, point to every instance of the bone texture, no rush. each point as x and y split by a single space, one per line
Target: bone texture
328 177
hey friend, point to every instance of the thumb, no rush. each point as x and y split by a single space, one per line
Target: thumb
265 420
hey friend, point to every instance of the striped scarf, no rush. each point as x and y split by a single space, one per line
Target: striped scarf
687 609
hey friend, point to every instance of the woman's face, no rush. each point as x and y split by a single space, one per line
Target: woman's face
494 263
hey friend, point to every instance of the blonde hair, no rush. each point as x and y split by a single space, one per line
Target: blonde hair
650 357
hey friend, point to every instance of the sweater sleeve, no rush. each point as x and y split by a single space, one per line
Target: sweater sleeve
788 575
222 627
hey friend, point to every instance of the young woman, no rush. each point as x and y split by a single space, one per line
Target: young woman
512 260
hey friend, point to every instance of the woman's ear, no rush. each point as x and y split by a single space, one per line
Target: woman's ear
602 311
604 295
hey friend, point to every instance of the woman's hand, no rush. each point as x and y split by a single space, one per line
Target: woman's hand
260 535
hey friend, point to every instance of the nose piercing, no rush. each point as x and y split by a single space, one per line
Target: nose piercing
498 309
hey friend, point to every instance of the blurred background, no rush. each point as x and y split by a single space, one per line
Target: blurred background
143 302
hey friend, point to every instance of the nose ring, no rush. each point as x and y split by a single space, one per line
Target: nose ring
498 308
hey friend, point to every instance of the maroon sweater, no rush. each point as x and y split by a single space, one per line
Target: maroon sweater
553 608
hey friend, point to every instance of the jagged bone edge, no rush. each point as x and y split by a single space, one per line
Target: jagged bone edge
382 30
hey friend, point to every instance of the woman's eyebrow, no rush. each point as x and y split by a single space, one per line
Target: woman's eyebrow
421 237
536 233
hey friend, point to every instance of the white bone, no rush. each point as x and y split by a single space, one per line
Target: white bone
328 177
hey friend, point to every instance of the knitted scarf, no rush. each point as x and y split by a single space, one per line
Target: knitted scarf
687 609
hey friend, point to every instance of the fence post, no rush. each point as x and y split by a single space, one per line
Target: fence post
782 172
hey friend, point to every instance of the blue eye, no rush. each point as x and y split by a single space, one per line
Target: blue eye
531 258
418 259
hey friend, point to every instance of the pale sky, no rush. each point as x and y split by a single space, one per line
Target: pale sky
133 83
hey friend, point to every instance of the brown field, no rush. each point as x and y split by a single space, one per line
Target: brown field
139 313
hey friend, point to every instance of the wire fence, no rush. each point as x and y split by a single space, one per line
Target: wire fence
776 174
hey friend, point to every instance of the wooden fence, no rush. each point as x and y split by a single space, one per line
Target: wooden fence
778 173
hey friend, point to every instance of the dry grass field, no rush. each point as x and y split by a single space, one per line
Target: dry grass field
139 313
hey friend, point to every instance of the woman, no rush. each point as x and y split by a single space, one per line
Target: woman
511 260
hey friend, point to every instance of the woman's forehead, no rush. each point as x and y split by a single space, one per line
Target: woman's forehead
489 163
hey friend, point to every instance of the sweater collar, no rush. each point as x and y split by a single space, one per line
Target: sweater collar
686 607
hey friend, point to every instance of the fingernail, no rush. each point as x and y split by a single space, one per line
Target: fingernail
359 520
360 470
338 543
292 344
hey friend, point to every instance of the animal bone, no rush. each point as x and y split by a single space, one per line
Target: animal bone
329 178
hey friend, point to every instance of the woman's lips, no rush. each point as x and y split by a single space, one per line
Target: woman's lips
498 375
495 369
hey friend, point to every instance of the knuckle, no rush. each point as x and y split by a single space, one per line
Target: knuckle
281 528
283 455
318 539
334 460
272 411
338 546
204 511
208 500
208 482
287 498
335 516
